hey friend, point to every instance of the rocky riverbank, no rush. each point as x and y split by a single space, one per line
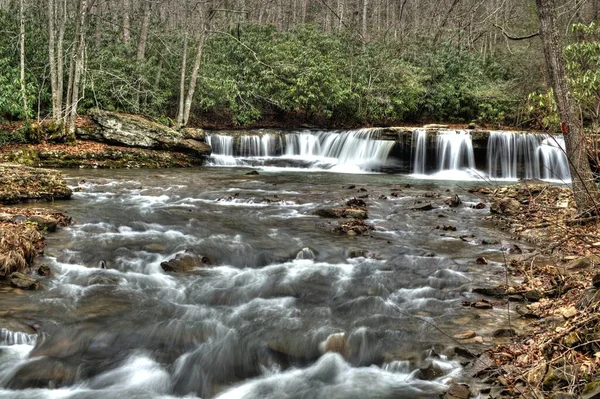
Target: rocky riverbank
22 229
555 290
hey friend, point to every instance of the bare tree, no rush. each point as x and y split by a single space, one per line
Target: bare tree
22 55
584 189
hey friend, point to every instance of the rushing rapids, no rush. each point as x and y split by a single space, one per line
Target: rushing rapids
281 304
508 155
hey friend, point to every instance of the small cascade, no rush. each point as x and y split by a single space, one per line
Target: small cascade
8 337
419 151
222 149
350 151
512 156
454 151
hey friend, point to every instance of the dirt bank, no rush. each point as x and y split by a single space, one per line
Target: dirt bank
22 229
557 355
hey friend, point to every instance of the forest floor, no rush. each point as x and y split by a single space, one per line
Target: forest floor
22 229
558 354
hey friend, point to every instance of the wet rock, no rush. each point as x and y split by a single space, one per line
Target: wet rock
453 202
479 205
15 325
396 194
184 262
482 305
335 343
350 187
43 373
356 203
253 173
426 207
154 247
465 335
526 312
342 212
44 271
429 371
490 291
504 332
457 391
481 261
505 206
446 228
306 253
19 280
532 295
354 228
435 126
513 249
102 279
382 197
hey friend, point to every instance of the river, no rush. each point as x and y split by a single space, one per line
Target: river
254 322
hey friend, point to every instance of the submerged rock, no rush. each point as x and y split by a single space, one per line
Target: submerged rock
453 201
184 262
19 280
342 212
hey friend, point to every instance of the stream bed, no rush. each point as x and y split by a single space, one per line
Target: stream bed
285 307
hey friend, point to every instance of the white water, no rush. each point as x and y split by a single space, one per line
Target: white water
346 152
455 159
419 145
531 156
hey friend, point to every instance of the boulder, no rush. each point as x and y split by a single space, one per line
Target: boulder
458 391
453 202
342 212
184 262
135 131
505 206
19 280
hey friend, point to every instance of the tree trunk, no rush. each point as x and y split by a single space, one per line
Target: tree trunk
126 23
78 56
193 79
141 51
584 189
52 60
365 18
180 113
60 60
22 57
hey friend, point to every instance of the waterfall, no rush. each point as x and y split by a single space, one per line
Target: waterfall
531 156
348 151
222 149
419 151
454 151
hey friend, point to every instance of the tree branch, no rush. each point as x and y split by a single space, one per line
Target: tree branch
511 37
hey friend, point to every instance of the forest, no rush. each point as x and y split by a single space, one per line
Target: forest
329 63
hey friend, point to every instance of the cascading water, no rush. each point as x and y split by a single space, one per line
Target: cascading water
419 148
531 156
350 151
455 150
222 149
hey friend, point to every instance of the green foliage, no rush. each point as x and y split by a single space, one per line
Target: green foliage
16 137
583 66
541 109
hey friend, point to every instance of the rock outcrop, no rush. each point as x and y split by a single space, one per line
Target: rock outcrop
135 131
184 262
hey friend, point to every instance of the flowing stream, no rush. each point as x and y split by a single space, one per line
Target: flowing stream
279 289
